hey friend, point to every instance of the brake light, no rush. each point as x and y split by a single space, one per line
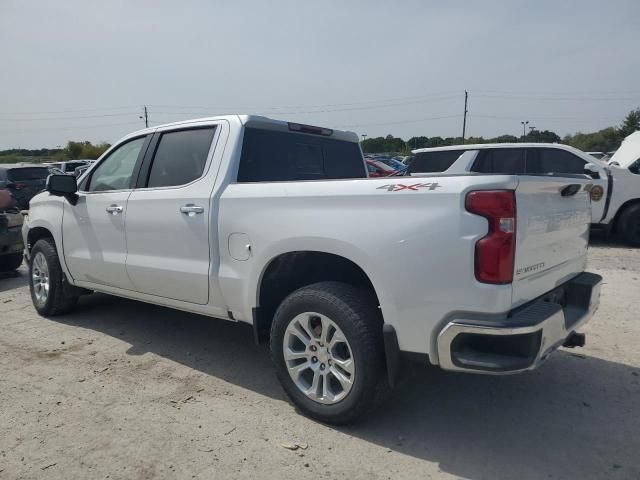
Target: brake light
19 186
298 127
495 252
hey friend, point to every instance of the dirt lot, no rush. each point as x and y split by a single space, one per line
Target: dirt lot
124 390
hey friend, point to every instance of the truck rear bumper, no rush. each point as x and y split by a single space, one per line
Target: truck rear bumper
526 337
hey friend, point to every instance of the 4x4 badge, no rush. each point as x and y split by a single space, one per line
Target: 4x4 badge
396 187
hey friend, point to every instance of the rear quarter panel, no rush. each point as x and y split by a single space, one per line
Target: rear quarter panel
416 244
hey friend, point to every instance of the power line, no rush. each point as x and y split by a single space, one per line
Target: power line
75 127
542 117
553 99
416 120
128 114
444 95
208 111
70 111
275 110
133 107
414 98
563 93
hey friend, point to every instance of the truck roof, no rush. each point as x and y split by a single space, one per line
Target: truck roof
484 146
481 146
254 121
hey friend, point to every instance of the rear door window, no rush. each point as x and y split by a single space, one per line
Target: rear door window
500 160
431 162
553 160
273 156
180 157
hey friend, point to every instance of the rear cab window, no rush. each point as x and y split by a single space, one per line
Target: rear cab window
280 156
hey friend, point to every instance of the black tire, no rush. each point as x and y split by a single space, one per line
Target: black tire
360 322
9 263
61 297
629 225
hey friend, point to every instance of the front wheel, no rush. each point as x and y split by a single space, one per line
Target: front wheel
50 292
326 345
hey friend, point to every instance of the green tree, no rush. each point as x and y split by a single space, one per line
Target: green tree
74 150
604 140
503 139
417 142
630 124
544 136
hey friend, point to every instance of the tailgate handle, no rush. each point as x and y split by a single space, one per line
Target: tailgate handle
570 190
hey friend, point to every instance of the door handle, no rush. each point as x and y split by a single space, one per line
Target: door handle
191 209
114 209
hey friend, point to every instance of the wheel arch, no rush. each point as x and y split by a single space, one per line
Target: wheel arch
287 271
38 230
37 233
621 210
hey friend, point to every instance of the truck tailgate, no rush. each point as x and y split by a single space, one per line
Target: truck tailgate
553 216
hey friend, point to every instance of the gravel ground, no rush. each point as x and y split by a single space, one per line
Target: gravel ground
124 390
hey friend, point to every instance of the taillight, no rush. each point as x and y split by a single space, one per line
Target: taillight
495 252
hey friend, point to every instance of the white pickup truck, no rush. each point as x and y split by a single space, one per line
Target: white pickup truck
275 224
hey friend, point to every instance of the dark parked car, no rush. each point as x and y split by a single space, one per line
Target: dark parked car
11 245
24 181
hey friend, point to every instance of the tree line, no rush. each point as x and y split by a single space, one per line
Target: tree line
72 151
605 140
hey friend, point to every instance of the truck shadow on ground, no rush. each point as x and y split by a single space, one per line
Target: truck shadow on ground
13 280
576 417
600 239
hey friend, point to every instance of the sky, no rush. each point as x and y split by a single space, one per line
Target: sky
84 69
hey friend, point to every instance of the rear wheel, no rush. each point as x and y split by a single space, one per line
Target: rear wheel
629 225
8 263
50 292
326 345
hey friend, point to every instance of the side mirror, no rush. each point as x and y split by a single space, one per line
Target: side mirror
592 170
63 186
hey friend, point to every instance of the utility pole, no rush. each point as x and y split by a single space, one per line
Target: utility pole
464 119
145 117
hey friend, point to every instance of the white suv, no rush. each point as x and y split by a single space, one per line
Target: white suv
615 195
